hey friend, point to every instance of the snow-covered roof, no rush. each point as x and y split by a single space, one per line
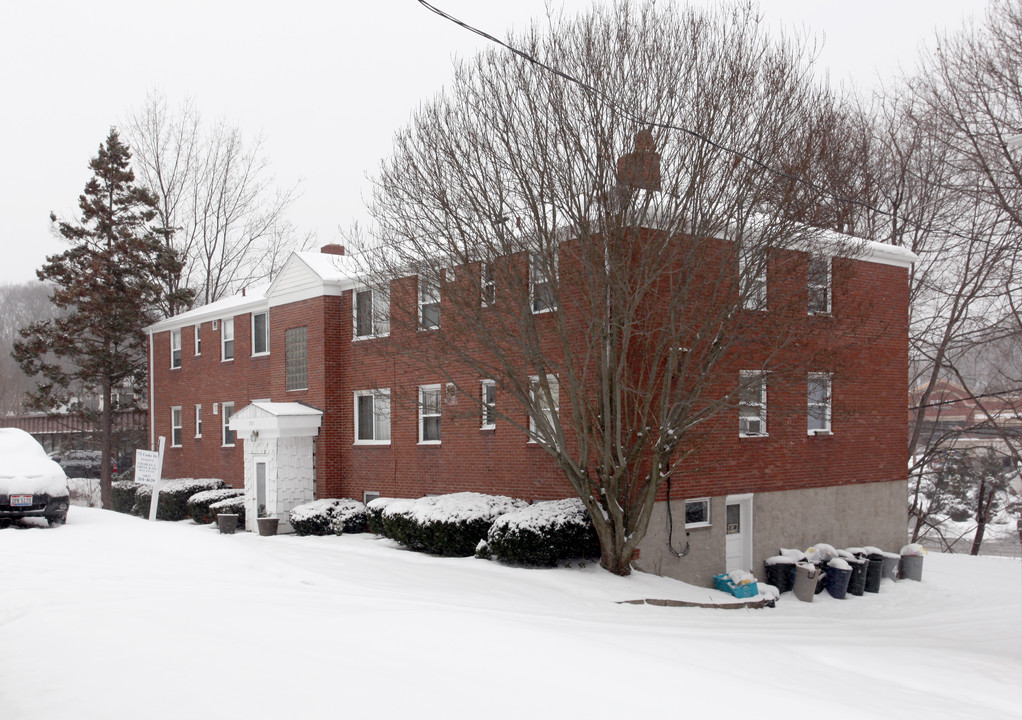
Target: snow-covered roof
252 299
276 419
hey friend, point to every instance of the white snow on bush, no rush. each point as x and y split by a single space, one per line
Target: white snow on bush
543 515
464 506
341 508
212 496
180 485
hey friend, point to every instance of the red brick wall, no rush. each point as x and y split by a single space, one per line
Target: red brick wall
863 343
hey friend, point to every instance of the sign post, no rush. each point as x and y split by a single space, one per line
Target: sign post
148 469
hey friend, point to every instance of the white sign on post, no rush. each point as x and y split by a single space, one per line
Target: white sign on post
148 467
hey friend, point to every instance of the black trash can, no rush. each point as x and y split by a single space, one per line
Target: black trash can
857 583
839 573
874 572
780 572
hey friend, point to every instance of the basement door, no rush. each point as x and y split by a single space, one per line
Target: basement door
738 532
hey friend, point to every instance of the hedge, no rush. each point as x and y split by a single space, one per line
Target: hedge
234 505
544 533
328 517
198 504
447 525
124 495
374 514
174 496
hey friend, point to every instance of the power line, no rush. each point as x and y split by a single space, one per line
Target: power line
967 397
644 122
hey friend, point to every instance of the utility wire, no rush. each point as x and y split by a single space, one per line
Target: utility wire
614 106
967 397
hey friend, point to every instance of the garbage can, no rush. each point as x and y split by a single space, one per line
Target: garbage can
780 572
891 562
874 571
857 582
807 576
910 566
839 572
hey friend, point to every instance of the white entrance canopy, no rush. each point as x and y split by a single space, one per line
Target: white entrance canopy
269 420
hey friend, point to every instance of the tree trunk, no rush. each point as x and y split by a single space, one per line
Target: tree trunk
982 512
107 422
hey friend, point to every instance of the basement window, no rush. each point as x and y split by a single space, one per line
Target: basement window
697 513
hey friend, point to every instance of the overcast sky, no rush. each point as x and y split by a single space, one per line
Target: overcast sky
324 84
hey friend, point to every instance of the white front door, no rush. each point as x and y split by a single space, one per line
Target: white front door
738 532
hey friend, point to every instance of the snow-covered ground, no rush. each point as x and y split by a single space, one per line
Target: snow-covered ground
114 617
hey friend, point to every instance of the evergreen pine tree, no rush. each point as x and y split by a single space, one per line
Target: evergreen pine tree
106 288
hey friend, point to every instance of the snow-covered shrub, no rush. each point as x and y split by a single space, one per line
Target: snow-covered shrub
85 491
234 505
374 514
448 525
328 517
543 533
198 504
174 494
124 495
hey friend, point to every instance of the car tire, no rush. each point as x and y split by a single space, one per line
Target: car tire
55 520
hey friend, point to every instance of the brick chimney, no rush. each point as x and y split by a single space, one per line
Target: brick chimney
332 249
640 170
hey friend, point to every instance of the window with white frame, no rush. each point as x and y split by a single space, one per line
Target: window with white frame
175 348
369 495
489 405
819 399
229 436
176 427
697 513
752 399
372 313
296 359
198 421
487 285
260 333
542 273
429 303
227 340
429 413
819 284
752 275
198 338
372 417
545 403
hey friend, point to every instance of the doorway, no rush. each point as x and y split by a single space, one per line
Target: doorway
738 532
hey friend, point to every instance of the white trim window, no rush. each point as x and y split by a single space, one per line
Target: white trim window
752 404
296 359
542 274
430 403
697 513
260 333
752 277
176 427
487 285
198 421
198 339
229 436
819 398
819 284
371 311
372 417
429 303
546 405
175 349
488 400
227 340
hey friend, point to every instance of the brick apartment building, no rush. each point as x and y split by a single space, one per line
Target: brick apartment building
283 390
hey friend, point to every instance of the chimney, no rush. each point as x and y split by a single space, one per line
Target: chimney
332 249
640 170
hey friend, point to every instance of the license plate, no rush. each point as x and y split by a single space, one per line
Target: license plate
21 501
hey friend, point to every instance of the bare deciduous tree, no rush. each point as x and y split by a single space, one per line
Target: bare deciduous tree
217 201
568 241
20 305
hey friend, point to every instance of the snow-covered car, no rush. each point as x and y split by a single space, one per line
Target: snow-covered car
31 484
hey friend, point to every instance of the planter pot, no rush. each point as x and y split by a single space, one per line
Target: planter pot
227 522
267 525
